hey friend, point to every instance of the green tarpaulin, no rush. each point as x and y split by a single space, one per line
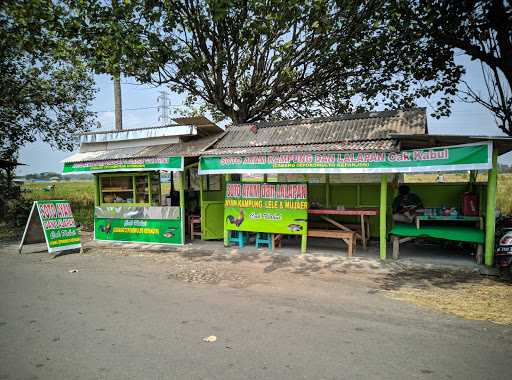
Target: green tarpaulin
456 233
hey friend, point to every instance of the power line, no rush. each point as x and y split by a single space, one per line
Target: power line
139 108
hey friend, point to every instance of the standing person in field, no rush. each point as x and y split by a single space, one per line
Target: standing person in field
406 205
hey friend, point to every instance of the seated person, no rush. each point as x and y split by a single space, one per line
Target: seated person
406 205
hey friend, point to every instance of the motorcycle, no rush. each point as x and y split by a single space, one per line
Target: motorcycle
503 245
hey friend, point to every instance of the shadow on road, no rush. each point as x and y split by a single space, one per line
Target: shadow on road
422 278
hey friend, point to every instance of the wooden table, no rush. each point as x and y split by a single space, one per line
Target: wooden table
361 212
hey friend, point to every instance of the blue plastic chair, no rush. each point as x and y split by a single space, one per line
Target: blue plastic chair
264 238
238 237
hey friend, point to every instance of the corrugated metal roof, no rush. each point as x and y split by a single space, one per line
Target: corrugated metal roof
502 143
354 127
387 145
191 148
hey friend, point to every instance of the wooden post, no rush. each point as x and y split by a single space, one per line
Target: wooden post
327 191
304 243
182 205
383 214
396 247
201 189
363 232
227 178
97 195
492 179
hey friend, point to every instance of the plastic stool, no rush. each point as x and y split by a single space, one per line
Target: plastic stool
238 237
264 238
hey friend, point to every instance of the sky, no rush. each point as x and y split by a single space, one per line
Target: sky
140 110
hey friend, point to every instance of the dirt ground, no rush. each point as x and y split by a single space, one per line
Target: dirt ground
450 289
145 312
457 290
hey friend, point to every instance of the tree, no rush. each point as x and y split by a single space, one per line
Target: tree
482 29
44 90
249 60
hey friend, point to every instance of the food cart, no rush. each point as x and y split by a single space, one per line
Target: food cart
130 205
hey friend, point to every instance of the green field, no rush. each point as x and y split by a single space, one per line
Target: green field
81 193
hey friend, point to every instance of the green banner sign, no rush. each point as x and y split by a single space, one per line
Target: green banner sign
138 230
453 158
266 207
52 221
128 164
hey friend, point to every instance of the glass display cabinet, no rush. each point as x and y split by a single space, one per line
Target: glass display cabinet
142 189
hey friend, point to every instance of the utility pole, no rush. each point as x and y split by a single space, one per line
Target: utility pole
117 102
163 108
118 107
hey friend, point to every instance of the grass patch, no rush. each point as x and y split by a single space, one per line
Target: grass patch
463 293
486 300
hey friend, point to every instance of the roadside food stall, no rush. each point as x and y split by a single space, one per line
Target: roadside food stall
131 204
345 165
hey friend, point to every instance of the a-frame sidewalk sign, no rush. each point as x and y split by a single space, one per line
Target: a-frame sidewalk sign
51 221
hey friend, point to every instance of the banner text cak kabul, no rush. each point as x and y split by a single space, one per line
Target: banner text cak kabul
460 157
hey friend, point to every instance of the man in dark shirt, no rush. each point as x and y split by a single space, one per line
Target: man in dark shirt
406 205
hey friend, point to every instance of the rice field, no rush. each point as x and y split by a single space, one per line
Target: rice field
81 193
503 194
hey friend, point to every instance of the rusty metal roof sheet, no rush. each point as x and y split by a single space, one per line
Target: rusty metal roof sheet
192 148
384 145
344 128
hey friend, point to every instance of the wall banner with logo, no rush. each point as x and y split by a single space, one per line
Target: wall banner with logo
266 207
159 231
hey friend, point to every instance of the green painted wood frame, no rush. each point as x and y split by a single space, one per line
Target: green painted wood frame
182 204
98 195
227 178
383 216
490 215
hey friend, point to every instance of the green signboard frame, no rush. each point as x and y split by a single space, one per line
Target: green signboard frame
280 208
475 156
159 231
52 221
174 163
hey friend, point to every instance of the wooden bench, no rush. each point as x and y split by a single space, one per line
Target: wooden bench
402 233
347 236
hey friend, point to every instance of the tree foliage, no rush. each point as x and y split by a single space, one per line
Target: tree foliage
482 29
250 60
44 89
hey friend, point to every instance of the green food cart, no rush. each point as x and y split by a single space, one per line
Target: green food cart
127 165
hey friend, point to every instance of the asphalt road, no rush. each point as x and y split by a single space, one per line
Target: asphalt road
122 317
